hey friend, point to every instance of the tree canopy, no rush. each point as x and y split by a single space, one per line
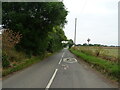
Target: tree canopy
40 23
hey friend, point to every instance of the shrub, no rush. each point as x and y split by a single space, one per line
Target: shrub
5 62
9 40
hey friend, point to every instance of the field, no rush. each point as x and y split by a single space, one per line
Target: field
108 53
111 51
105 66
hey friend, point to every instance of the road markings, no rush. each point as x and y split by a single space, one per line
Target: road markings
65 67
61 58
69 60
51 80
63 54
60 61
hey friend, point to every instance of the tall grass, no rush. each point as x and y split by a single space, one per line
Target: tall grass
23 64
9 54
110 54
109 68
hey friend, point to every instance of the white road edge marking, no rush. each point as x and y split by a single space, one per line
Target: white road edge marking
60 61
51 80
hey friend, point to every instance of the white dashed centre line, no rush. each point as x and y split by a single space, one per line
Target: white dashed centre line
63 54
60 61
61 58
51 80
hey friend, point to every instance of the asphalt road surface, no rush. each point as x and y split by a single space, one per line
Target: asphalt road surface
62 70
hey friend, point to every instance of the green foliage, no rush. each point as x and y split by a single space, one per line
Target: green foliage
16 56
55 39
107 53
35 21
9 40
20 66
107 67
12 56
41 26
25 63
85 44
5 62
70 43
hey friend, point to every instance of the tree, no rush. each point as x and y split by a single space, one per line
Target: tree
91 45
85 44
88 40
55 39
34 21
70 43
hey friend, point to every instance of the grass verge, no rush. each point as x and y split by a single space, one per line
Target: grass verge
23 65
109 68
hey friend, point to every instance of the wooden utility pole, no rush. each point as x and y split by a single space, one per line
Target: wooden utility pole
75 31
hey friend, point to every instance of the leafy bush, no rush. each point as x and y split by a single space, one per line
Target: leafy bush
5 62
9 40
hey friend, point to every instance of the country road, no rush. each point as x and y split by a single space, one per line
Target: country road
57 72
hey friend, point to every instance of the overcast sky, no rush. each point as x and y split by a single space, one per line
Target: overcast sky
96 19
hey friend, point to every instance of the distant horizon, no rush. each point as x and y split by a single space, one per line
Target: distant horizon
98 44
81 43
96 19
